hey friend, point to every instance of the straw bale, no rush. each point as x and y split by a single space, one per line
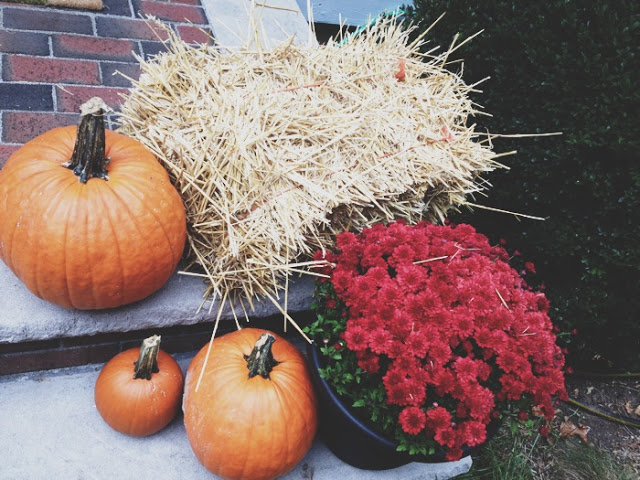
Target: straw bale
275 151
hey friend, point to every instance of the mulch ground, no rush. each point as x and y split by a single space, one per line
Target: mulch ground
618 397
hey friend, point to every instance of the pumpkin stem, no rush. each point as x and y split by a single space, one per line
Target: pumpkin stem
88 158
261 361
147 363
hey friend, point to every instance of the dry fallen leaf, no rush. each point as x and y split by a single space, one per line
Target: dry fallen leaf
631 410
569 429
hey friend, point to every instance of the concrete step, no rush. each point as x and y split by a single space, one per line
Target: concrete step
26 318
36 335
51 429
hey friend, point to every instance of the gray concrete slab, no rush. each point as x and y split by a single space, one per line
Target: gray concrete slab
50 429
25 317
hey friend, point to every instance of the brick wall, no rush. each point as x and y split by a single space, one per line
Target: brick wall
52 59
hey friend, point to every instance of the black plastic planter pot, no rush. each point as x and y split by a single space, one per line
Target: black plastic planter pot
351 440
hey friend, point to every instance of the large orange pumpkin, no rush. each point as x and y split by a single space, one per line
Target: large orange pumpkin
138 391
253 415
112 238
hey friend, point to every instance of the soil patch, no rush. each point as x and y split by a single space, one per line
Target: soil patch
614 397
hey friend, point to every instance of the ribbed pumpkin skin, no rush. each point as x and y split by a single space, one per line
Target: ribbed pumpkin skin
249 428
89 246
138 407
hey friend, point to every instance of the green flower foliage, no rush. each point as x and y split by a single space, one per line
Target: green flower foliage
570 67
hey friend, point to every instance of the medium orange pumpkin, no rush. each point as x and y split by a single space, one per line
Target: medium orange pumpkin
112 238
253 416
138 391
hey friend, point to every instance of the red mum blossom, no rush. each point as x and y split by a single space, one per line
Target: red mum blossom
369 363
341 280
412 420
394 377
407 363
357 338
417 344
417 392
480 401
402 255
454 454
380 341
446 436
473 432
466 370
438 418
443 381
398 394
439 352
411 278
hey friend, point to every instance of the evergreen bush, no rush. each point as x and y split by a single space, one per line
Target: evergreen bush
570 67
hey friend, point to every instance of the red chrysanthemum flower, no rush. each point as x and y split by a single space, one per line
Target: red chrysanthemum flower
412 420
438 418
357 338
417 344
380 341
474 433
369 363
398 394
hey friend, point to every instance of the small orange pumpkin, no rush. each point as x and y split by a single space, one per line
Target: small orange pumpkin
112 238
138 391
253 415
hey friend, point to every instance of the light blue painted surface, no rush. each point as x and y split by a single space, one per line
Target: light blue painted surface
353 12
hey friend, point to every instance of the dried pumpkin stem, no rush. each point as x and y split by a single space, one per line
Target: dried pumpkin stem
88 159
261 361
147 363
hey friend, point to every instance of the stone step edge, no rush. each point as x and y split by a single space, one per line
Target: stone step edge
27 318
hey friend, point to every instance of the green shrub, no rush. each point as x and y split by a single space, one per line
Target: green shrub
570 67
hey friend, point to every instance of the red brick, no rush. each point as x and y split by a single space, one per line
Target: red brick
20 127
6 151
191 34
118 27
71 97
79 46
50 70
172 12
